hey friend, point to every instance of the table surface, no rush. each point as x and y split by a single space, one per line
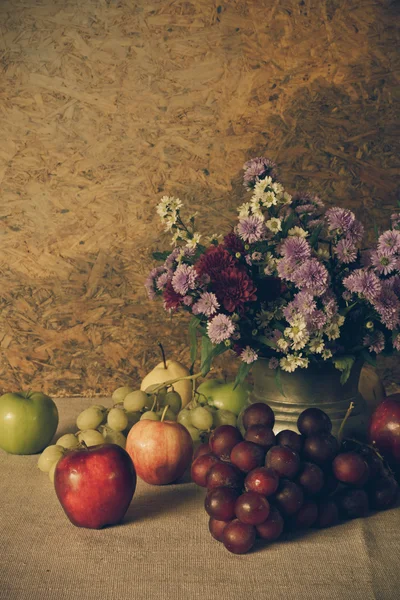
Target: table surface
163 549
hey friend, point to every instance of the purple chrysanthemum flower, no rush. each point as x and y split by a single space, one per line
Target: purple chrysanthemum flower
258 168
355 231
330 304
375 342
387 305
312 277
290 311
295 249
206 305
346 251
188 300
248 355
305 209
339 219
304 303
363 282
316 320
162 280
395 219
150 283
184 279
396 342
248 260
389 241
346 296
314 223
273 363
170 260
307 203
286 269
384 261
251 229
393 283
256 256
220 328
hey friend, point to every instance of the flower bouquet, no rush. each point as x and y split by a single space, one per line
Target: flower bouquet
290 283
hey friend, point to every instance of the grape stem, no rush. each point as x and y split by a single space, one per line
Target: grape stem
346 416
164 412
163 355
172 381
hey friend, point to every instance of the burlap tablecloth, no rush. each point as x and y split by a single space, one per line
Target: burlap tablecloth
163 550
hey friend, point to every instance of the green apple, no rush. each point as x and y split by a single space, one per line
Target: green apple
167 372
222 395
28 421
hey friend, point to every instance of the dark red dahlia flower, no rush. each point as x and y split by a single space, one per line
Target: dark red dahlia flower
233 243
172 300
213 261
233 289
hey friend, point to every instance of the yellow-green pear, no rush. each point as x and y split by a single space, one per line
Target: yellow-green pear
174 369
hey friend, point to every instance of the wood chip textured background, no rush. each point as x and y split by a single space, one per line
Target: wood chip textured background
105 105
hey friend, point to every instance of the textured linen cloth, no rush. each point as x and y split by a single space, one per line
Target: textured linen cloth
163 549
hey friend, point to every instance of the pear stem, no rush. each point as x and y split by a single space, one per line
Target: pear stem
164 413
346 416
163 355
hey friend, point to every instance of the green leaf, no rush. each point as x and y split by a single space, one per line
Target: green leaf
278 381
288 223
265 341
368 358
376 230
160 255
207 362
194 323
314 236
345 311
206 347
344 364
242 373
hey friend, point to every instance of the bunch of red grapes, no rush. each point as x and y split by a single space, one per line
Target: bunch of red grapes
262 485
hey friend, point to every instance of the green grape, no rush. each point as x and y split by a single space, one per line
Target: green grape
160 394
49 456
120 394
68 441
169 414
194 433
150 416
224 417
133 418
135 401
90 418
117 419
52 471
114 437
201 418
184 417
91 437
174 401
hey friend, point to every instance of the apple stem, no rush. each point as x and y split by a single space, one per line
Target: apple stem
346 416
163 355
164 412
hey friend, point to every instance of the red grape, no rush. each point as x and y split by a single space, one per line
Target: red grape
320 448
353 503
312 421
220 503
202 449
258 414
350 467
238 537
311 478
223 439
289 497
306 516
201 467
383 493
252 508
290 438
261 435
224 475
272 527
328 514
247 456
262 480
284 460
216 528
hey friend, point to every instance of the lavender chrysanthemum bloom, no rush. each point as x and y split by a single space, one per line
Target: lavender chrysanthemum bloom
162 280
389 241
170 260
393 283
312 277
363 282
184 279
355 231
295 249
188 300
286 269
315 321
395 220
375 342
150 282
290 311
387 305
304 303
258 168
339 219
206 305
256 256
307 203
384 261
330 304
396 342
251 229
305 208
248 355
220 328
248 260
346 251
347 296
273 363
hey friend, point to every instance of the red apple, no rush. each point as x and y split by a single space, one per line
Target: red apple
384 429
95 485
160 450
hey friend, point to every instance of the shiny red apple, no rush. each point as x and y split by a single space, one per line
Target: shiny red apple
160 450
384 429
95 485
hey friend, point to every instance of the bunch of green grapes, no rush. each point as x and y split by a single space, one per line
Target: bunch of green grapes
200 418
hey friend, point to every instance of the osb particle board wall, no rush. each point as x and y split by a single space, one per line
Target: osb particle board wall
106 105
